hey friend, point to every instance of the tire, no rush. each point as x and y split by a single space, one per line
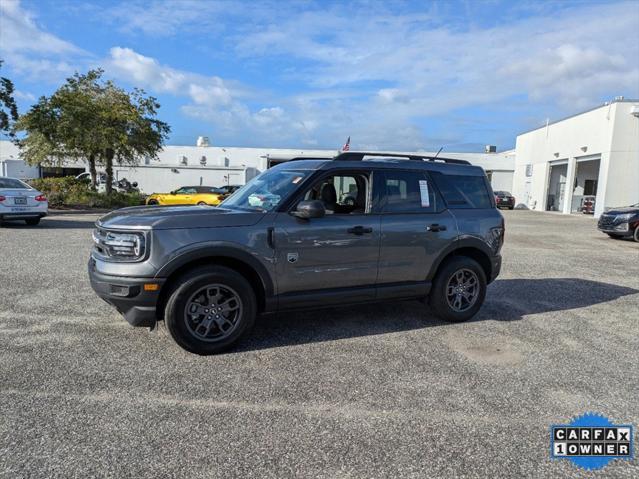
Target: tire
152 202
202 203
439 299
189 330
511 207
635 236
32 221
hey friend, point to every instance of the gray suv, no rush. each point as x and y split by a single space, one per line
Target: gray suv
357 228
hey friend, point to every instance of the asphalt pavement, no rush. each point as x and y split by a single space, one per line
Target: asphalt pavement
372 391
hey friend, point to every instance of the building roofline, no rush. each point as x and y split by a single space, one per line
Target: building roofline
608 103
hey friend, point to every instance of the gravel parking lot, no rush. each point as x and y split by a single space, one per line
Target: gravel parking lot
375 391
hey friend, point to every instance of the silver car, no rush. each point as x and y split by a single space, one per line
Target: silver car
19 201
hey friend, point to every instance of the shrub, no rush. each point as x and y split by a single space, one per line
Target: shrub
69 192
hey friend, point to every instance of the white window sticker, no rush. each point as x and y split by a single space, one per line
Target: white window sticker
423 191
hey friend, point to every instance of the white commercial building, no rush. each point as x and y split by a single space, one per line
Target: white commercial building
216 166
591 154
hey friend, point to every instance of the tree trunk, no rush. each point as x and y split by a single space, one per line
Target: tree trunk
93 171
108 156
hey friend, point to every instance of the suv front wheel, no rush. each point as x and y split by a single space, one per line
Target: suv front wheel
210 309
458 290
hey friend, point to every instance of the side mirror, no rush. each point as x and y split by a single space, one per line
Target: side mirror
309 209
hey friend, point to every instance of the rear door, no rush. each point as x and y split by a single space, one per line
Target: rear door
416 227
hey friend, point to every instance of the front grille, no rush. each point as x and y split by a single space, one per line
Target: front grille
606 220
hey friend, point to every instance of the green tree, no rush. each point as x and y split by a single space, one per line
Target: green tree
8 107
94 121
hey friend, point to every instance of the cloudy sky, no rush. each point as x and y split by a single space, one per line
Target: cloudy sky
392 75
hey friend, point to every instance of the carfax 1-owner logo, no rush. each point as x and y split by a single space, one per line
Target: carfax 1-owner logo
591 441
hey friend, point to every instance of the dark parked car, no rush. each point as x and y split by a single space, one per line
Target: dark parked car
228 190
621 222
503 199
414 228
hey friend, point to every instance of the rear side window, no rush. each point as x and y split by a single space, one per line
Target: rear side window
461 191
406 192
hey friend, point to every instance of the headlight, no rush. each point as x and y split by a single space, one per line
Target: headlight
625 217
120 246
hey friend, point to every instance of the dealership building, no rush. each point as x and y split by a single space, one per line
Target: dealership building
204 164
593 155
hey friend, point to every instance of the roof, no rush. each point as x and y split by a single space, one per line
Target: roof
399 164
606 104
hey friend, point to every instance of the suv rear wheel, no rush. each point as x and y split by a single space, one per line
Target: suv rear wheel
459 289
210 309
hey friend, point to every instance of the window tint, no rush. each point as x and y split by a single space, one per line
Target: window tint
463 191
186 190
407 192
341 194
12 183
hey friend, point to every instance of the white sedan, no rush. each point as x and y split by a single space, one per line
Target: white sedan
18 201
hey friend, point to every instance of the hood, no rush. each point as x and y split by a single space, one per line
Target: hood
622 210
174 217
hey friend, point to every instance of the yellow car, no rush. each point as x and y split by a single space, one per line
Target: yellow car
188 195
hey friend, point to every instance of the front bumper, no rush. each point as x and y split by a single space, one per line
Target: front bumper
128 295
495 269
620 228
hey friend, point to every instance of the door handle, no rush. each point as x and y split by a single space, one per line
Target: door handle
436 228
359 230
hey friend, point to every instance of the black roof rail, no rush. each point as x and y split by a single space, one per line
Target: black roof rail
298 158
359 156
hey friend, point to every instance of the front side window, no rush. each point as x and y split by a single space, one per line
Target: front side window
463 191
267 190
186 190
406 192
344 194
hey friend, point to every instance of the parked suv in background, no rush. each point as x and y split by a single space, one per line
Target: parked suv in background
621 222
361 227
503 199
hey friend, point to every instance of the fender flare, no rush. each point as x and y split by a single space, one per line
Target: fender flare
224 250
465 241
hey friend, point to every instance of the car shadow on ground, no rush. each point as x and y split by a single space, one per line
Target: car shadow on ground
507 300
49 224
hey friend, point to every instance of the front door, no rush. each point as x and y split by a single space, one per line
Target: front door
182 196
339 250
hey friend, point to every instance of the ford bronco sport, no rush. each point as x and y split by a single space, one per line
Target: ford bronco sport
356 228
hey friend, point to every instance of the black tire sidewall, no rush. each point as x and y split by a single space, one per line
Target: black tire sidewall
635 236
437 297
189 284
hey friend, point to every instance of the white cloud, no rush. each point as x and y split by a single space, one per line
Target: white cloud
147 72
21 33
31 51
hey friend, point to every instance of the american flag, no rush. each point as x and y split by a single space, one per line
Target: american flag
347 145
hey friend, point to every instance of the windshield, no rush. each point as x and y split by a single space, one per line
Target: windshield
266 191
13 183
502 193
